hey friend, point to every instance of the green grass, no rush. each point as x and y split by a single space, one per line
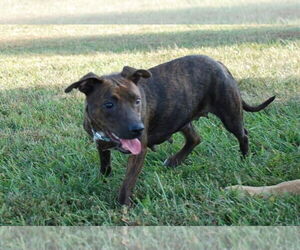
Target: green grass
151 237
49 169
150 12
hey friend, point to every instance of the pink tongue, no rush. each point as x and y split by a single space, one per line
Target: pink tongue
134 145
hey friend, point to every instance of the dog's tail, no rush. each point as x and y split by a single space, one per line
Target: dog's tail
249 108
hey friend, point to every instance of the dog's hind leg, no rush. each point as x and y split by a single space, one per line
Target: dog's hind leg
192 139
234 124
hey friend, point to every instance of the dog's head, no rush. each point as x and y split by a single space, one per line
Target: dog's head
114 105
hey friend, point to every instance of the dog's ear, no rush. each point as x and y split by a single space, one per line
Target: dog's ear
135 74
85 84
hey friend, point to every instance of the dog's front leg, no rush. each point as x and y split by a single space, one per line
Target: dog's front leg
134 167
105 161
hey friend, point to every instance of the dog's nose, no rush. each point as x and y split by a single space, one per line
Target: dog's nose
136 128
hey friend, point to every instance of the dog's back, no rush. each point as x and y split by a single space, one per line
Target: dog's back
183 90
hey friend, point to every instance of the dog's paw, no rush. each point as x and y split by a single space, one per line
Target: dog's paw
105 171
172 162
124 197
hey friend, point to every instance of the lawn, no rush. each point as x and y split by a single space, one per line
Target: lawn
49 169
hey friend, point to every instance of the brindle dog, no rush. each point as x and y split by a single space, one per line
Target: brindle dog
138 108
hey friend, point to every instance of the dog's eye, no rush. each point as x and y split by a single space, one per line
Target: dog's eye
138 101
108 105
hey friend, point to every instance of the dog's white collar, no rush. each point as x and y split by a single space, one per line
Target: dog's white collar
99 135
